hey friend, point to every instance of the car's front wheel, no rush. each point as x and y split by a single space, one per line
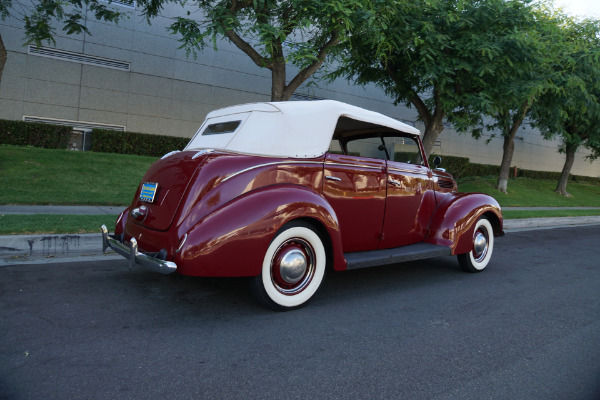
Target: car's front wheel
483 244
293 267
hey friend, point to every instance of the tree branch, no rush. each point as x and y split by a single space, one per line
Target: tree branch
305 73
236 5
518 119
438 112
412 96
247 48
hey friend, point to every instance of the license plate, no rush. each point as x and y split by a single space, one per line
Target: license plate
148 191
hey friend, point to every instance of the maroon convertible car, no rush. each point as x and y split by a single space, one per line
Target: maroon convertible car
281 191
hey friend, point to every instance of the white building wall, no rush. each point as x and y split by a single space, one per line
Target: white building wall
166 92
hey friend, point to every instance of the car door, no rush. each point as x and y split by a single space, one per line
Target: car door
356 188
410 196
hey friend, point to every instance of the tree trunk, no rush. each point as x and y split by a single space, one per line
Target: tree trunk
434 122
432 131
278 82
507 155
509 146
3 57
561 188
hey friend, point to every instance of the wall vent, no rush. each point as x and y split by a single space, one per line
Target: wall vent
77 125
300 96
78 58
124 3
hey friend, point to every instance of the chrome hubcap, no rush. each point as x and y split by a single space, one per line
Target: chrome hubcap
480 245
293 266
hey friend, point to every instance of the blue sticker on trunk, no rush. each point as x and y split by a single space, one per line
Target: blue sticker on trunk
148 191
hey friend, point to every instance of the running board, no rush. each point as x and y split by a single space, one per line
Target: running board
413 252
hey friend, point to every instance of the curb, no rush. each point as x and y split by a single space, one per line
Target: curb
19 249
556 222
50 245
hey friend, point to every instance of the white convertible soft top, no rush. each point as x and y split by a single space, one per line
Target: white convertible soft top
297 129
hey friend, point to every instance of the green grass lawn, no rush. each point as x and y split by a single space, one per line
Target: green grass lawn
516 214
42 176
525 192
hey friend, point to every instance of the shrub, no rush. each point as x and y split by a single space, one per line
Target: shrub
19 133
461 167
555 176
107 141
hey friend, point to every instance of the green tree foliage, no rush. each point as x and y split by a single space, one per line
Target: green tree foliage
40 19
273 33
439 56
508 101
573 111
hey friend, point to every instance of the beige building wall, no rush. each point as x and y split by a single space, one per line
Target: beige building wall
531 152
165 92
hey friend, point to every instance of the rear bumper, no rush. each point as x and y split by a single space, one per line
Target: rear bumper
130 251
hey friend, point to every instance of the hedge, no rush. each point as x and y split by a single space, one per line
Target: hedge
19 133
461 167
108 141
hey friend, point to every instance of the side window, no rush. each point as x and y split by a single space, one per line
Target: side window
335 147
405 150
368 147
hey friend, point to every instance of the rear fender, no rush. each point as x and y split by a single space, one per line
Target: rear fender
121 222
453 221
232 240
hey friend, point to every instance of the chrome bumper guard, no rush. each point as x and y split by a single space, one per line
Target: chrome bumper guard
135 257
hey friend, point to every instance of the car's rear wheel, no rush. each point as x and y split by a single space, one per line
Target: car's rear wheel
483 244
293 267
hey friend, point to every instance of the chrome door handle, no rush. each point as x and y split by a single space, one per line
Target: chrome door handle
395 182
333 178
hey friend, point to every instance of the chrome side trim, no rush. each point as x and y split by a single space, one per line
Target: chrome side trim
407 171
181 243
202 152
267 165
135 257
354 165
170 154
119 219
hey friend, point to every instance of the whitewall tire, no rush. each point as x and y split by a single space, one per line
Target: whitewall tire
293 267
483 245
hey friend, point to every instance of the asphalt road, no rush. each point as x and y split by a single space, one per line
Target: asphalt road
526 328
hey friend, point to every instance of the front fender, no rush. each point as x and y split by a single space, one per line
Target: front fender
232 240
454 219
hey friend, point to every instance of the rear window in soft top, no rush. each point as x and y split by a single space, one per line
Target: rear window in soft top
221 127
